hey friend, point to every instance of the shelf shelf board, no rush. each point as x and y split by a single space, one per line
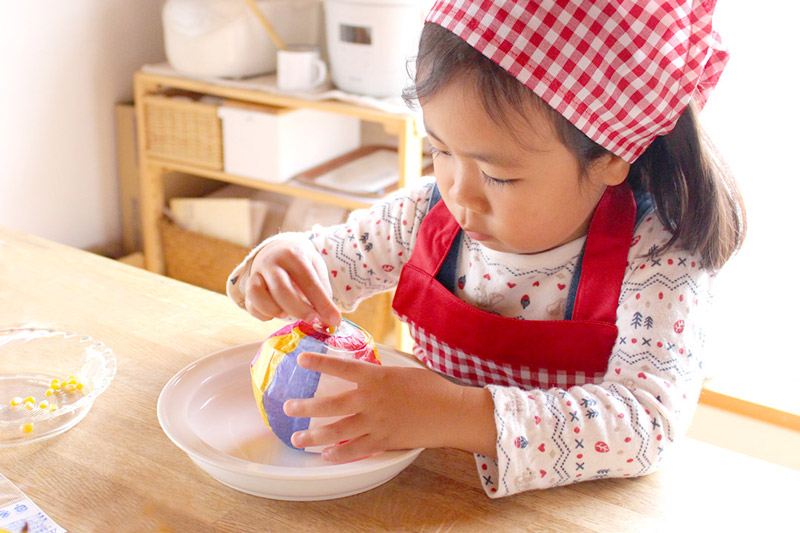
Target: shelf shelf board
291 188
390 121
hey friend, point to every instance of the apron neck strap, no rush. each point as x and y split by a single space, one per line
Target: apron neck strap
605 257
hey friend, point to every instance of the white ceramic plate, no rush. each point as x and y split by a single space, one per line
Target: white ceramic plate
208 410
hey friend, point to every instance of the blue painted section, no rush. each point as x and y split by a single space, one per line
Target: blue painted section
291 381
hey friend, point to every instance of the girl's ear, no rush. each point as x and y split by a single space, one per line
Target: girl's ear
609 170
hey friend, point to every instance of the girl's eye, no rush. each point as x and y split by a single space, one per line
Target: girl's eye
435 152
495 181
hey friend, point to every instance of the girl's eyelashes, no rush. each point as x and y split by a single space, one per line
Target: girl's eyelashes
486 178
495 181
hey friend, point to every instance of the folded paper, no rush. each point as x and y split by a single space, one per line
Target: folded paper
277 377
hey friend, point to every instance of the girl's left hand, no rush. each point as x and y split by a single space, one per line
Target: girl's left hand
393 408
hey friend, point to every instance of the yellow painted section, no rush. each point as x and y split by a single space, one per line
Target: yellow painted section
269 356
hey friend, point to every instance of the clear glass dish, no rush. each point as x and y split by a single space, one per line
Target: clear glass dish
33 406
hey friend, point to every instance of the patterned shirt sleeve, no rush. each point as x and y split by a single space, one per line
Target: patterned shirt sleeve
365 254
623 426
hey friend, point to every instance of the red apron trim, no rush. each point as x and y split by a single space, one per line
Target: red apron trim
505 340
605 256
579 345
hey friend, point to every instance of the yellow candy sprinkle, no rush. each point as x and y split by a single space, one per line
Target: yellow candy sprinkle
30 399
43 404
79 386
55 384
49 392
52 407
70 387
26 428
16 400
71 380
29 405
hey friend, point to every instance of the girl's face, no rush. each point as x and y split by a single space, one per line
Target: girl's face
517 191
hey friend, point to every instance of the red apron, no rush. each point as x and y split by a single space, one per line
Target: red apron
480 348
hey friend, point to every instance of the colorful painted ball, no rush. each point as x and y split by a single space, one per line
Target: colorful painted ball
277 377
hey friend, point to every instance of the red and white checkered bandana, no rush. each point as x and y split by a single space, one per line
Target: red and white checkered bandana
621 71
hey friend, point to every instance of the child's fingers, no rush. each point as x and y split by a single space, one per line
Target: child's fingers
352 450
347 369
258 300
336 405
329 313
307 278
345 429
295 283
288 294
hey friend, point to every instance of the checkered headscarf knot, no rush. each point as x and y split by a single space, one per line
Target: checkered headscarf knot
621 71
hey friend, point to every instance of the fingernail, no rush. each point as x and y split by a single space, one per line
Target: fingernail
288 407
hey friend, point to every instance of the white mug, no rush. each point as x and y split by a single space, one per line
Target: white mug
300 68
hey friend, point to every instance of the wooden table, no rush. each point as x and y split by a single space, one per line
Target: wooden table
117 471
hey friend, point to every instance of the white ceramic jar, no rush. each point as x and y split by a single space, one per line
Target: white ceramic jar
223 38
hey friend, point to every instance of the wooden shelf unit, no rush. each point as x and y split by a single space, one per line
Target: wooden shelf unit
152 168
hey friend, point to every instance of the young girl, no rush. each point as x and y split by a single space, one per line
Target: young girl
559 268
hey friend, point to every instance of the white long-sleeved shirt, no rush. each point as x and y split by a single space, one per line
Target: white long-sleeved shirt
618 427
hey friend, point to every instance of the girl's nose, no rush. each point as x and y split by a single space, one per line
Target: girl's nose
467 189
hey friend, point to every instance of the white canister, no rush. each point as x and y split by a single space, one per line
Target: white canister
223 38
370 43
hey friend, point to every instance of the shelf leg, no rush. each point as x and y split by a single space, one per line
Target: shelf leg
152 205
151 184
409 153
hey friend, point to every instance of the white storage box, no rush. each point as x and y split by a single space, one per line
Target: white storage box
274 144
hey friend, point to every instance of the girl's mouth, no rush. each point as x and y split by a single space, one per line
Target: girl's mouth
475 236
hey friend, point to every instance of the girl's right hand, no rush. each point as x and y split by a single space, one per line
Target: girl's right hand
288 278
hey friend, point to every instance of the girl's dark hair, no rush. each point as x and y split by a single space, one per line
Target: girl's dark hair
694 194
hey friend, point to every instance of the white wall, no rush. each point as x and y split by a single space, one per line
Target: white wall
63 65
752 118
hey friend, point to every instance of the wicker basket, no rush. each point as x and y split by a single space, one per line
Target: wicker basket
206 262
198 259
183 131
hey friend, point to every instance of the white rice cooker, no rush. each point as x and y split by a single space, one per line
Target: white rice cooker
223 38
370 43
